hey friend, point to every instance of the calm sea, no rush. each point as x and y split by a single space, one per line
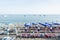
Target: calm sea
17 18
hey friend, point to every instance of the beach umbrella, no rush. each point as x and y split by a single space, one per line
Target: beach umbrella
46 35
28 35
34 23
42 24
41 35
48 24
23 35
27 24
36 35
50 35
56 24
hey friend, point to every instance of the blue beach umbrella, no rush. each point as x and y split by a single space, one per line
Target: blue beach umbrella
34 23
42 24
27 24
48 24
56 24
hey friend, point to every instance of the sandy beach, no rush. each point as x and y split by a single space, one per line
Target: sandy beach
1 36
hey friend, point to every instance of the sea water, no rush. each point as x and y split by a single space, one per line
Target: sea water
18 18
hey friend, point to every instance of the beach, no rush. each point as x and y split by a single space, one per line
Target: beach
1 36
28 28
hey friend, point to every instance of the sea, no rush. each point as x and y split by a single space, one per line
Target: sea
26 18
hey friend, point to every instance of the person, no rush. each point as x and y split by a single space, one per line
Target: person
51 29
26 29
38 29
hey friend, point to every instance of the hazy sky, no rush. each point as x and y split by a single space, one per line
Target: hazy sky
29 6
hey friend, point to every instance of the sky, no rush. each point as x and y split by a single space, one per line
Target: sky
30 7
